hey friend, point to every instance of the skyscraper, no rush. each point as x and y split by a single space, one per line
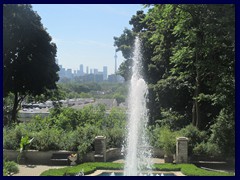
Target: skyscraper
81 73
95 71
87 70
105 75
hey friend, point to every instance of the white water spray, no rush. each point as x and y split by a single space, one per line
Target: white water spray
138 152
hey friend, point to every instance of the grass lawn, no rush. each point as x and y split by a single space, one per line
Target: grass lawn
88 168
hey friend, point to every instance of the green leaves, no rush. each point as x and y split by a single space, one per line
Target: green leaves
24 142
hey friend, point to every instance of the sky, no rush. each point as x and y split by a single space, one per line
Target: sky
84 33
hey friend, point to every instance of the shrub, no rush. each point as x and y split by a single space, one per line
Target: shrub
10 139
194 136
164 138
47 139
115 137
223 133
10 167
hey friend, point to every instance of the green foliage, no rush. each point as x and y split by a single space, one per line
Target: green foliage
115 137
10 138
172 119
47 139
195 137
87 168
167 167
164 138
28 49
69 129
192 170
10 167
119 98
223 133
207 149
25 141
8 102
167 140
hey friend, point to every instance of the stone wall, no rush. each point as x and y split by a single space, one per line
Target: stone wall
43 157
113 154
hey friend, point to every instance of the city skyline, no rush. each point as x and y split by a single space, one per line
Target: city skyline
94 75
86 70
84 33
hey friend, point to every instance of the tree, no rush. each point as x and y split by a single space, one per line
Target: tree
188 59
125 44
29 66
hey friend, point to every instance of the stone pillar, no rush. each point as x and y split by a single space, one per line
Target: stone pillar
100 149
182 150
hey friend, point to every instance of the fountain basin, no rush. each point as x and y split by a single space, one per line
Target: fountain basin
120 173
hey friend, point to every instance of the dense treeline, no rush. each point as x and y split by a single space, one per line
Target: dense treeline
188 62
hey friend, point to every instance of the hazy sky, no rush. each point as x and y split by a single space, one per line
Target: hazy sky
84 33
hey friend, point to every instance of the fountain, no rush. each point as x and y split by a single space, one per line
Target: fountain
138 152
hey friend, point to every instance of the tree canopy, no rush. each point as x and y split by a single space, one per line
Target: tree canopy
188 52
29 65
188 62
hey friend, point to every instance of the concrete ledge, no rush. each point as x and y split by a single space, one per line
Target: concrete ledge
98 172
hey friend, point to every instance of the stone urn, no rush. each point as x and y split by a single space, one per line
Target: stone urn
73 159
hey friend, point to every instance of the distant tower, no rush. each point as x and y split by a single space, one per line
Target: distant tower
115 62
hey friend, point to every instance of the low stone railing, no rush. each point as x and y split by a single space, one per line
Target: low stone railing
43 157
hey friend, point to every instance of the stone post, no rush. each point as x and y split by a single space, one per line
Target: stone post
182 150
100 149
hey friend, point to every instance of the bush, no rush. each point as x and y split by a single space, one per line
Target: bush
10 139
164 138
115 137
223 133
47 139
10 167
69 129
194 136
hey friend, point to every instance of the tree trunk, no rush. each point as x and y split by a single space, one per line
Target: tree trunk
196 119
17 100
15 106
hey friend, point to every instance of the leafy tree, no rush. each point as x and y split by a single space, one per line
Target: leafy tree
125 44
29 65
188 59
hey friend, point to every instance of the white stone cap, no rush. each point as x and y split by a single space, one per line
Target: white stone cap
182 139
100 137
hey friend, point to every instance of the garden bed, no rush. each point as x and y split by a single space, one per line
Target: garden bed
88 168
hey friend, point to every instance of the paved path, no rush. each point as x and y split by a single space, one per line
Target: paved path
33 170
36 170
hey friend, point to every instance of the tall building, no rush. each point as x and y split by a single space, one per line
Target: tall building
95 71
69 73
91 71
105 75
87 70
81 73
